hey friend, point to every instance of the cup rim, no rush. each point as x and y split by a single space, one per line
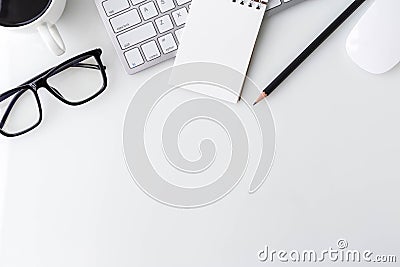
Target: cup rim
21 24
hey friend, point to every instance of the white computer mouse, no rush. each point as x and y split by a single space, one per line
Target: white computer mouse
374 43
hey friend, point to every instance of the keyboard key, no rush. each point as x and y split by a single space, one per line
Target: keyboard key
178 34
273 3
164 23
182 2
180 16
148 10
114 6
167 43
137 35
125 20
150 51
134 58
135 2
165 5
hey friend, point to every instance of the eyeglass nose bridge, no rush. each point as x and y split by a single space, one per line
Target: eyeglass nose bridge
39 83
36 84
33 86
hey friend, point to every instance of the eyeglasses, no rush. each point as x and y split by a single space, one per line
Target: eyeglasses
74 82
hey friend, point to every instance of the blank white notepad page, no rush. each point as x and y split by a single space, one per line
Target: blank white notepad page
222 32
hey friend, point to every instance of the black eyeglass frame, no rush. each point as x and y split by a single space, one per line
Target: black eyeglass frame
41 81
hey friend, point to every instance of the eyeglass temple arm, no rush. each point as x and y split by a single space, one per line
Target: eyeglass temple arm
81 65
88 66
7 94
77 64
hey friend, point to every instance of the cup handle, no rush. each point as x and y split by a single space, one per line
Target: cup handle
52 37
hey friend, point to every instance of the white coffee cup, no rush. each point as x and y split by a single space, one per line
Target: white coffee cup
44 21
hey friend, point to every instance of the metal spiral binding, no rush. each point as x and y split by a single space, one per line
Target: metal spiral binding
251 2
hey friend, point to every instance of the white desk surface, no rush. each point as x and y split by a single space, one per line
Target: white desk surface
67 199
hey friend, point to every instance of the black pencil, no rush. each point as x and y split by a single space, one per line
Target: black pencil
310 49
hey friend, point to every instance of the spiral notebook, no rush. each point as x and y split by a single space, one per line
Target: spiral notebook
222 32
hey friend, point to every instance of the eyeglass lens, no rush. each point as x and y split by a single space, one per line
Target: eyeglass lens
19 112
78 82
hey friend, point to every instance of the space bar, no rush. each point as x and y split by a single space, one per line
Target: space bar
136 35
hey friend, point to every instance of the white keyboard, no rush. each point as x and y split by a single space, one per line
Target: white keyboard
148 32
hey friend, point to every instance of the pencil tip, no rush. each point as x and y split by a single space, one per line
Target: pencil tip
261 97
